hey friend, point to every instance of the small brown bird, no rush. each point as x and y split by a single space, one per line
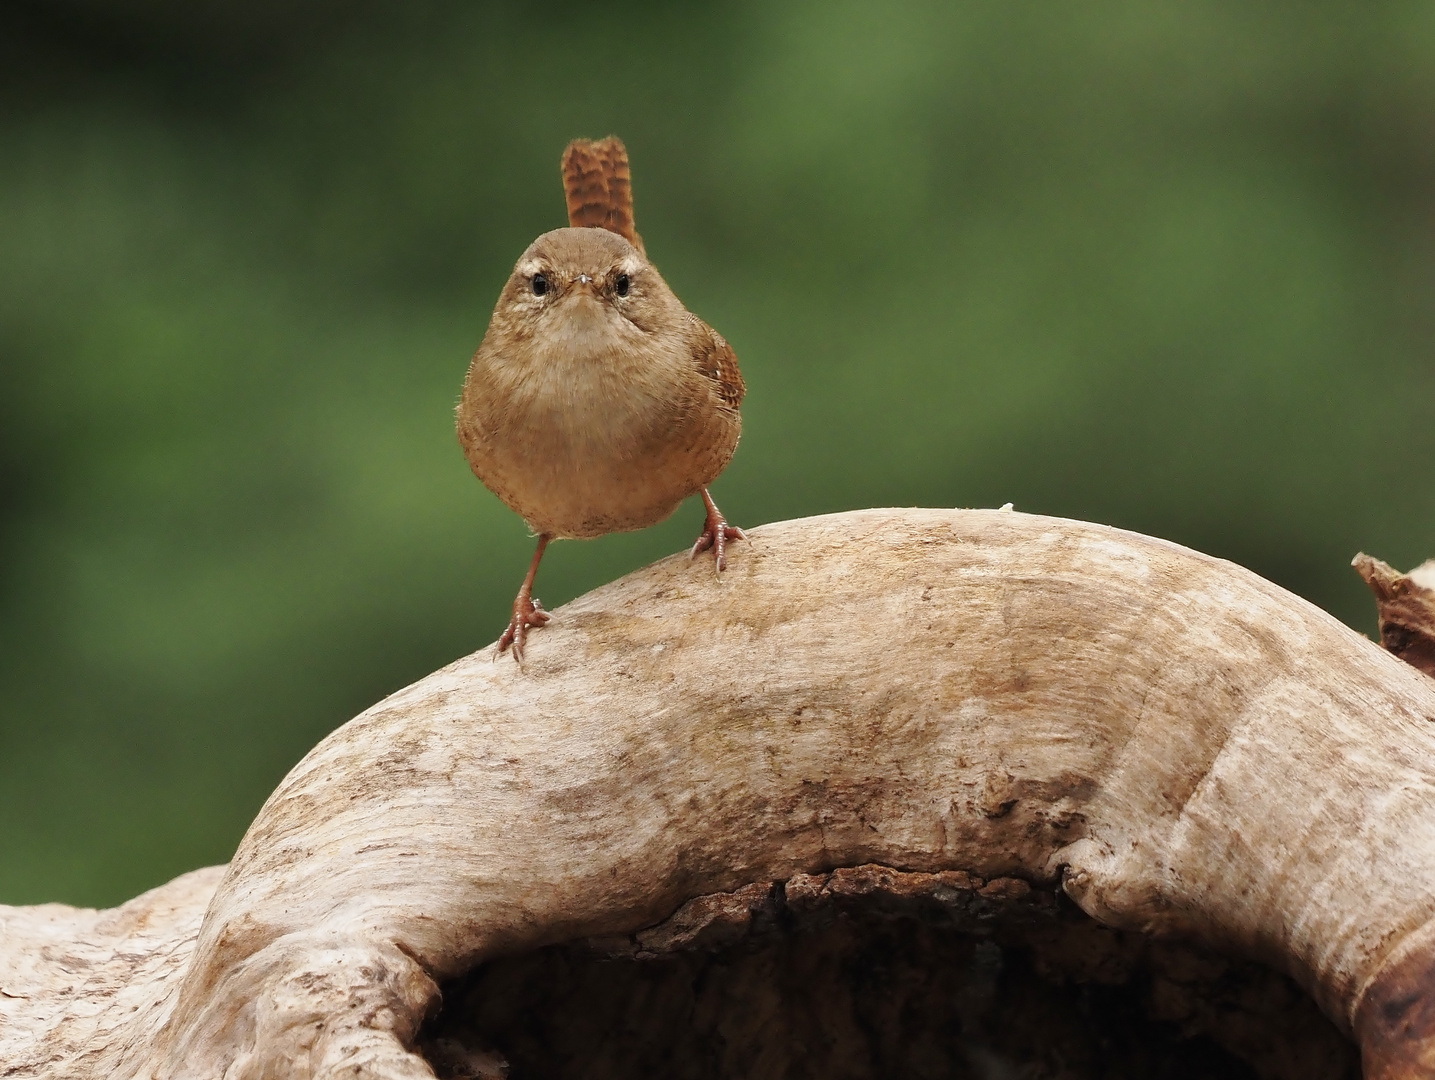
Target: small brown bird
597 402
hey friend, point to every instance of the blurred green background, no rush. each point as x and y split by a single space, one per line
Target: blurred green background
1166 266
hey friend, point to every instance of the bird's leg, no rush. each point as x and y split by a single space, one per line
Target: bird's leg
716 533
526 611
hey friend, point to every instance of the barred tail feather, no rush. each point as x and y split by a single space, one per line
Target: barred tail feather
599 187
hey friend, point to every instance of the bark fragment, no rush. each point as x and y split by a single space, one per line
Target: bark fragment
1406 607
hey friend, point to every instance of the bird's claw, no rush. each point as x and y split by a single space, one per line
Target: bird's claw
716 534
526 613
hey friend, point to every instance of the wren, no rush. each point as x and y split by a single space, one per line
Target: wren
597 402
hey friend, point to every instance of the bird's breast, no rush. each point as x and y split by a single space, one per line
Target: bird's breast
583 438
586 401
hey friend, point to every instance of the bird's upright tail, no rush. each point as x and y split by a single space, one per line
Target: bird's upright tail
599 187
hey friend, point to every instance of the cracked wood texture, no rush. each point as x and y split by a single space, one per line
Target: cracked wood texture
1182 746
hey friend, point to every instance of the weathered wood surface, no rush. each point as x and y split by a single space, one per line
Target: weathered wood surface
1183 746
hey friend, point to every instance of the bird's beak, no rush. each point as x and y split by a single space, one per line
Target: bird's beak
583 302
586 289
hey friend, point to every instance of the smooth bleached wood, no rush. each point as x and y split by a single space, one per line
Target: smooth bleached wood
1183 746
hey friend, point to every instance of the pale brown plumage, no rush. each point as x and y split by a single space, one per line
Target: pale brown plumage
597 402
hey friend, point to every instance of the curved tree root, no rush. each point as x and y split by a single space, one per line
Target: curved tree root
1183 748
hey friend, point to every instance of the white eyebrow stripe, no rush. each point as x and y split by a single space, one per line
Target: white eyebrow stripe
529 267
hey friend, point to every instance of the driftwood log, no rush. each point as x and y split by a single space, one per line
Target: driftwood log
950 708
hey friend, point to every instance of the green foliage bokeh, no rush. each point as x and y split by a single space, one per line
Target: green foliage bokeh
1163 266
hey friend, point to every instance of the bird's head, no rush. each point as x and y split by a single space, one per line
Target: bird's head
583 289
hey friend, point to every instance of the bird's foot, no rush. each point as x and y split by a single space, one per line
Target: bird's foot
526 613
716 533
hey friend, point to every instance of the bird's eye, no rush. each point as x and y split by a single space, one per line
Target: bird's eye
622 285
540 284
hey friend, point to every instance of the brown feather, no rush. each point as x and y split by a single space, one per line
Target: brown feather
718 362
599 187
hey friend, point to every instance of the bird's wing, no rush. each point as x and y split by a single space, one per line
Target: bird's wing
718 362
599 187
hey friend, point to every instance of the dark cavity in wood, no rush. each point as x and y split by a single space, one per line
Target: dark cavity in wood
873 972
